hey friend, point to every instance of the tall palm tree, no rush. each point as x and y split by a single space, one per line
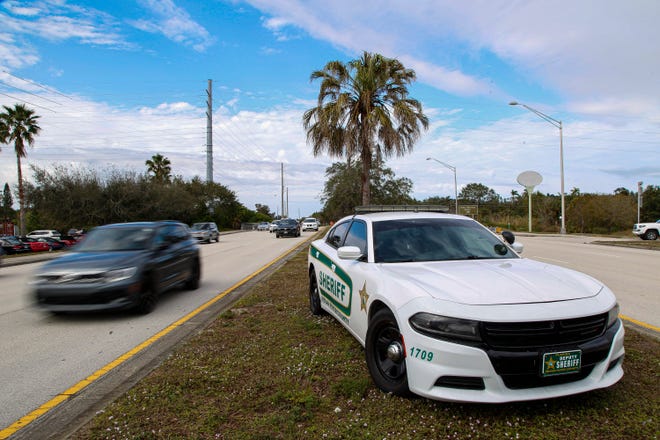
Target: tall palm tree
363 109
159 167
19 125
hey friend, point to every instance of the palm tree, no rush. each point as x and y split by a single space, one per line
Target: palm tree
363 109
19 125
159 166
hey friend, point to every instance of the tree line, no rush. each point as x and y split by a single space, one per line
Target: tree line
585 213
62 198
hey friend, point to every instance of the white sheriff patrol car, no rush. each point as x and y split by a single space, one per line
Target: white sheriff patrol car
447 310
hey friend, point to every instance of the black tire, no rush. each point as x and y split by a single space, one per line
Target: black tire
192 283
385 353
651 234
148 300
314 297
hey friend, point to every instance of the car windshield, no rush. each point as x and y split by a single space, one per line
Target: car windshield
397 241
200 226
117 239
288 223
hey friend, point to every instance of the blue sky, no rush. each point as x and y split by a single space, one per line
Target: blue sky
116 82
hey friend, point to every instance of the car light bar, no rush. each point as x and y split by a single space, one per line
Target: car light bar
399 208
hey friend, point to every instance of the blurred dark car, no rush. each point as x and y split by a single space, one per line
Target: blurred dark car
35 244
120 266
288 227
12 245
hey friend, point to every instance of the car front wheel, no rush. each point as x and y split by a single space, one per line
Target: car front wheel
385 353
314 298
651 234
148 300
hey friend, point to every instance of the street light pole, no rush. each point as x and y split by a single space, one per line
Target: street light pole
455 182
557 124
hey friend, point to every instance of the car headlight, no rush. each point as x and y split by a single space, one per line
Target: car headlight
114 276
444 327
613 315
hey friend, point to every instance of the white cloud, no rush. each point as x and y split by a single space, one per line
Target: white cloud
174 23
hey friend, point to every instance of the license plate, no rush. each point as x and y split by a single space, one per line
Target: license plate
561 362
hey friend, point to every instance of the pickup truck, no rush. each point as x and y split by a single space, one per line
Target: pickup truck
647 231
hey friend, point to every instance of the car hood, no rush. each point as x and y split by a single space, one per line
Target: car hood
94 261
494 282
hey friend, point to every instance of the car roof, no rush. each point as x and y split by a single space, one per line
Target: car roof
144 224
403 215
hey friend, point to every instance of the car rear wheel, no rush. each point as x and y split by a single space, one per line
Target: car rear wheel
385 353
314 298
651 234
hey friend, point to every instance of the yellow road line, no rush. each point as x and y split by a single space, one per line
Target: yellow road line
65 395
640 323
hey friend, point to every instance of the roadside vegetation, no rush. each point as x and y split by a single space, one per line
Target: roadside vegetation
267 369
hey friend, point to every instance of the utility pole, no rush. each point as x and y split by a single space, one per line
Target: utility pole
639 199
209 132
282 188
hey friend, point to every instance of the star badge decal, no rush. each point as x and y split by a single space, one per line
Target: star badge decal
364 297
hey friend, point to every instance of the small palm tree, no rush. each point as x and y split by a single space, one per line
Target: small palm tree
159 168
363 109
19 125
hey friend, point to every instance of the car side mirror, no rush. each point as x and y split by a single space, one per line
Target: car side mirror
349 253
518 247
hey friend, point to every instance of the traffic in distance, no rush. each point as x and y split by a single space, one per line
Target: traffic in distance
448 310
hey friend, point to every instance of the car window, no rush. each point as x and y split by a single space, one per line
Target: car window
357 236
117 239
337 234
435 240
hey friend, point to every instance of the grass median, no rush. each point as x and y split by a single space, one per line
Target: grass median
268 369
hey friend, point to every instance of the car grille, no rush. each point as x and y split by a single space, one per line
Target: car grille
519 364
521 335
67 278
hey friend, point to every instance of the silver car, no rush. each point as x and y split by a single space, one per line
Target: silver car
205 232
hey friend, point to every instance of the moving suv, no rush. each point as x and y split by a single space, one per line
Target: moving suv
205 232
120 266
310 223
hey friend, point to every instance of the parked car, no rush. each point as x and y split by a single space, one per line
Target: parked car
69 240
44 233
288 227
55 244
310 223
448 310
647 231
120 266
263 226
35 244
12 245
205 232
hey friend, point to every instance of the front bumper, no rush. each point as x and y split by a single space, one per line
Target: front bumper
287 232
88 297
465 373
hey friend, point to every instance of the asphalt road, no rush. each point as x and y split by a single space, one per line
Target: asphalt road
43 355
632 274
